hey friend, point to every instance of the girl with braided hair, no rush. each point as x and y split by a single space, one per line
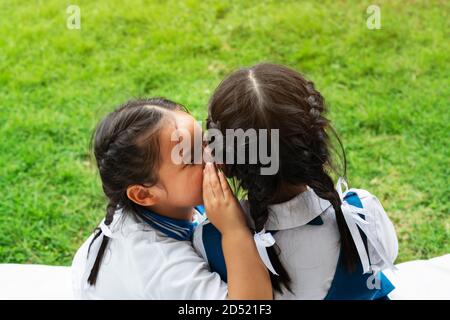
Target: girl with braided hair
143 249
318 241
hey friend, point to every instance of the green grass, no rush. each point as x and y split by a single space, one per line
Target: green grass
387 89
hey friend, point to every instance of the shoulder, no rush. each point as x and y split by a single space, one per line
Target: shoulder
363 194
380 225
145 243
204 229
148 248
369 202
182 272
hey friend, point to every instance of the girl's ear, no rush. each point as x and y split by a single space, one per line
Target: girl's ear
142 195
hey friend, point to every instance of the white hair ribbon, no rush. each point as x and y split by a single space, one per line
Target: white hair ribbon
263 240
353 220
106 230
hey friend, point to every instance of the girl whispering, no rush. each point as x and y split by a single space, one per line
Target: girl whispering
321 242
143 249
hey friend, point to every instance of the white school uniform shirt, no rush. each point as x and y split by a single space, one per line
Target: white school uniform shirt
143 263
310 253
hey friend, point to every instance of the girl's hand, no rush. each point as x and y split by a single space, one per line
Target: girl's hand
222 207
247 275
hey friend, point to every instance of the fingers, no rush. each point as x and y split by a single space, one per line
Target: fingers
207 154
214 181
224 184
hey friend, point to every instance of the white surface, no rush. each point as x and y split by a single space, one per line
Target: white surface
421 279
32 282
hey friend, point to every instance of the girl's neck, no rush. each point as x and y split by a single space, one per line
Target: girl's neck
287 192
177 213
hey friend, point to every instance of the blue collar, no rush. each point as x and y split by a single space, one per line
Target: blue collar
181 230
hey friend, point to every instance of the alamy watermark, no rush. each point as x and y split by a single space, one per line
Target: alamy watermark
237 146
373 21
374 281
73 21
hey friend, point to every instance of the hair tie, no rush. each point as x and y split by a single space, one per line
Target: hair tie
315 113
213 125
263 240
106 230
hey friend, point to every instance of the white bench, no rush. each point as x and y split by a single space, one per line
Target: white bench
32 282
420 279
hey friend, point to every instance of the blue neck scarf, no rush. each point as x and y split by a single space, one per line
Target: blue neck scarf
181 230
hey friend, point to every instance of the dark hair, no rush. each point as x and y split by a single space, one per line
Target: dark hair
126 149
269 96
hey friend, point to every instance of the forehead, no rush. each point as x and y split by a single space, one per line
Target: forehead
183 120
179 120
176 120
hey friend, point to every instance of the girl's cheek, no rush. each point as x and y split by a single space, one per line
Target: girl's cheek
197 185
199 176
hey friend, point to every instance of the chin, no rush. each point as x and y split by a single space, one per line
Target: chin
198 200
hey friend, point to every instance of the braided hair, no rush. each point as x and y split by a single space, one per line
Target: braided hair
126 149
269 96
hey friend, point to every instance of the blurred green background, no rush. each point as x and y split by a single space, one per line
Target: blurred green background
387 89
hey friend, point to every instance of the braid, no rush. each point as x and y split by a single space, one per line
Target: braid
257 196
110 209
321 182
323 186
260 188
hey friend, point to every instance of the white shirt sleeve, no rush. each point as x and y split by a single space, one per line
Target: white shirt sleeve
381 227
197 241
176 272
